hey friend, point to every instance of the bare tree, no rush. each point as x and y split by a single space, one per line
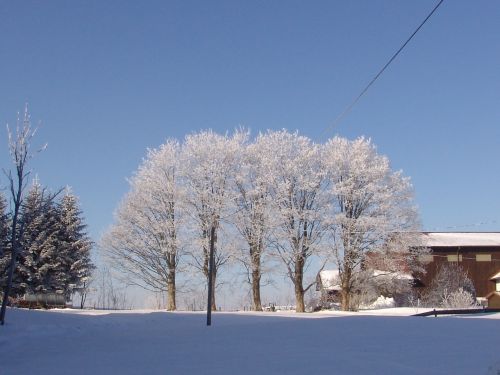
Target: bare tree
20 151
144 240
84 290
371 206
108 295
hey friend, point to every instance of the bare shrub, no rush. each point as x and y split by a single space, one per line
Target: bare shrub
450 279
460 299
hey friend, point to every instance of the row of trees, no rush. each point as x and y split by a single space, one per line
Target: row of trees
279 196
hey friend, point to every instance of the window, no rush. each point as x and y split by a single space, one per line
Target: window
427 258
454 258
498 285
483 257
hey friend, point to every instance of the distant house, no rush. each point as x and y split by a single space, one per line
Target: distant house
477 252
328 282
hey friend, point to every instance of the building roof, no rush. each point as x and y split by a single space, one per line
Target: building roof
330 279
454 239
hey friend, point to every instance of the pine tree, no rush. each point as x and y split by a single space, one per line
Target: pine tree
55 249
74 246
38 260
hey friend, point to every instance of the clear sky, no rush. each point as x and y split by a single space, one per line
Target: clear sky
110 78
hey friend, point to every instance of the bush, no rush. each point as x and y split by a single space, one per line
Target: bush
460 299
451 285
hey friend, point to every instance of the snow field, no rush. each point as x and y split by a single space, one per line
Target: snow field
142 342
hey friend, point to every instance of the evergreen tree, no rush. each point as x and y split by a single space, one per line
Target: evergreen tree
38 260
55 249
74 246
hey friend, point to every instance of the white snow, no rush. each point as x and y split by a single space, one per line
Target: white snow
146 342
382 302
393 275
330 279
444 239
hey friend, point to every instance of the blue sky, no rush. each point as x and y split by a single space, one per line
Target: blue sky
109 79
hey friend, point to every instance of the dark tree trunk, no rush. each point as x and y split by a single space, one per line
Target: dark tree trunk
346 300
212 297
211 276
256 275
298 282
257 304
171 305
345 293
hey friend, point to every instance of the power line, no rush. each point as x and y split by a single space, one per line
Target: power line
478 224
357 98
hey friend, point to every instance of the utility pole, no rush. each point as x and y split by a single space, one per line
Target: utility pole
210 276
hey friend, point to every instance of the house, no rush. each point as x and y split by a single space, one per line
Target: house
478 253
328 283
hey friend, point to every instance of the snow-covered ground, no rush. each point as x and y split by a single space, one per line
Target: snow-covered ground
146 342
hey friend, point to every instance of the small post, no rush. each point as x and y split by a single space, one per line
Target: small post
210 276
435 314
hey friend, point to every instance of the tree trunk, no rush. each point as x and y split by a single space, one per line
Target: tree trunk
299 297
212 297
299 289
171 306
346 300
345 292
257 304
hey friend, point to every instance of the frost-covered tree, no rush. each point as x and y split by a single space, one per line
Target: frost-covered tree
372 207
208 163
55 250
252 218
144 240
40 263
293 166
73 246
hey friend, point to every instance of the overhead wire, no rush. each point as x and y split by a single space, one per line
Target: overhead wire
348 109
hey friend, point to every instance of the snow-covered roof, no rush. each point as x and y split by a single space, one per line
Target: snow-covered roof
330 279
453 239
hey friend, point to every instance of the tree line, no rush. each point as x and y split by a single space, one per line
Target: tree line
278 197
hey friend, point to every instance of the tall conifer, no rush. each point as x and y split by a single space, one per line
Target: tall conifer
74 245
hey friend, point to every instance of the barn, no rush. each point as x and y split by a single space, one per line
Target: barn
478 253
